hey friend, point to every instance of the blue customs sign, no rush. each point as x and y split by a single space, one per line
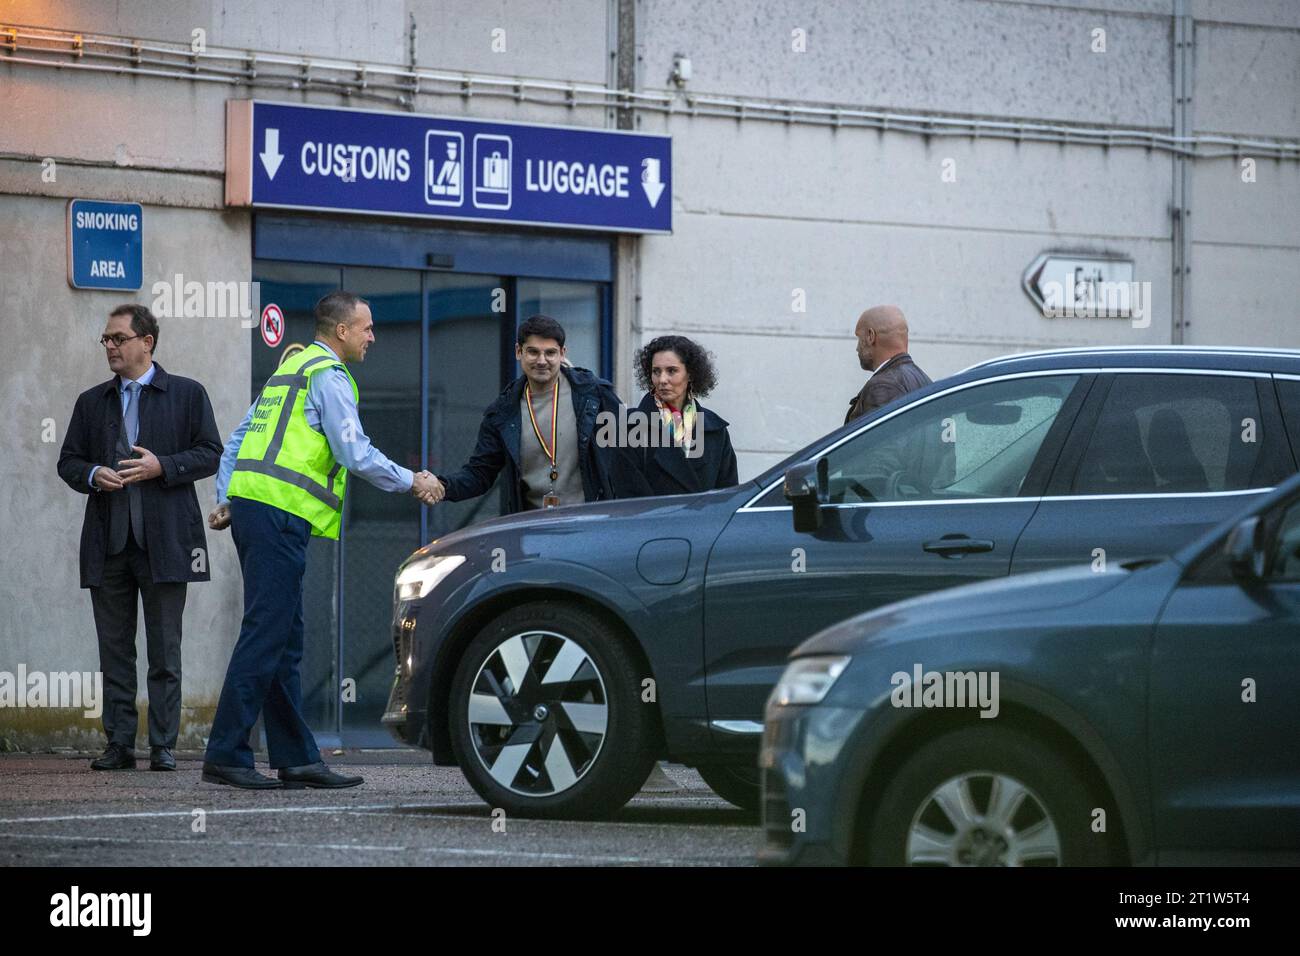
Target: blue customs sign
105 245
399 164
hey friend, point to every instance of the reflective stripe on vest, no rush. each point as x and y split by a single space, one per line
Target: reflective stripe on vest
315 488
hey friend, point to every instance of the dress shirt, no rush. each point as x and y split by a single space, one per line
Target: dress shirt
330 408
144 380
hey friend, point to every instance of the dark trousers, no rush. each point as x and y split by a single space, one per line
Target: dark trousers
127 583
263 676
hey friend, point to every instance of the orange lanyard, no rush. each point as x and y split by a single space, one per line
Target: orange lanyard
555 407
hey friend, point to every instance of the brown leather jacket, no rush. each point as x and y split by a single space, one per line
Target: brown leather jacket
898 376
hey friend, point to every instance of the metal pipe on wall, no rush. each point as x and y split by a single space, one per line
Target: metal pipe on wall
394 84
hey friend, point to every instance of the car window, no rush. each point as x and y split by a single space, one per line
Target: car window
1285 560
975 443
1174 433
1288 392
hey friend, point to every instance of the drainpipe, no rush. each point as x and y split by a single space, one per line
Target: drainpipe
627 286
1184 78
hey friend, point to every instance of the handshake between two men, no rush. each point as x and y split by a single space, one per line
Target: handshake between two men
424 486
427 488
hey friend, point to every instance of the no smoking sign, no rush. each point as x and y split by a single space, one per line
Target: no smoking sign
272 325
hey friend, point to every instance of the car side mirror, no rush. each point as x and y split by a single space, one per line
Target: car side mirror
1246 555
805 489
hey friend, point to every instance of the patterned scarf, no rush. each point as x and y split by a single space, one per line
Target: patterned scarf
679 422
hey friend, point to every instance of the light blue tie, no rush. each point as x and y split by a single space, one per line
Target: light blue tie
132 412
131 417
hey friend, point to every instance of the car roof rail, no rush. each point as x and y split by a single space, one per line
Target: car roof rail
1140 350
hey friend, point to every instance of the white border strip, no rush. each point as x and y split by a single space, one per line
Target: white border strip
1005 501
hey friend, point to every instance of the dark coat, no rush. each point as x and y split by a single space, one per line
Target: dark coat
177 425
897 376
667 471
497 449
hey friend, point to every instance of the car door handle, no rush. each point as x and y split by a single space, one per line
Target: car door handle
954 546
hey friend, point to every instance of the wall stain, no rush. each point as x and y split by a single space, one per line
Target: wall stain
45 729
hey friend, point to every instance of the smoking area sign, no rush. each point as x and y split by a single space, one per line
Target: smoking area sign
105 245
327 159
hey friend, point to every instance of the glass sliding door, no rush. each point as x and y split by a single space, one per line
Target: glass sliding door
469 331
380 529
578 306
443 351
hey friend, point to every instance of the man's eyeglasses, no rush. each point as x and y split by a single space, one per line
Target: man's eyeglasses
116 340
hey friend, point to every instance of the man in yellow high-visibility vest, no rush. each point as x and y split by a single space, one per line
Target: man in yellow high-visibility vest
282 479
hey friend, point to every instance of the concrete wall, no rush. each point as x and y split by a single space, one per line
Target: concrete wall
553 39
1245 281
45 618
858 217
943 56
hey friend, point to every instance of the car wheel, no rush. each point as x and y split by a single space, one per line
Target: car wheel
546 714
736 784
986 797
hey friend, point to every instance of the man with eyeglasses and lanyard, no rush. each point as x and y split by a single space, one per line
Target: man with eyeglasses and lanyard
136 445
540 432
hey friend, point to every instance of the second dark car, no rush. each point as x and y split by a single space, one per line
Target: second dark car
1144 714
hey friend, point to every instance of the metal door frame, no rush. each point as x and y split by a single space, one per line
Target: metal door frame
376 243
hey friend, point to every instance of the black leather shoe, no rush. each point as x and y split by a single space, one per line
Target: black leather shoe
318 776
245 777
114 757
161 758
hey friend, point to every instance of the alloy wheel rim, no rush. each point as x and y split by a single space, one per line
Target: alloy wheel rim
538 713
983 819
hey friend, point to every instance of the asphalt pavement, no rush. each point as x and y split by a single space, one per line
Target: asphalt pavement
55 811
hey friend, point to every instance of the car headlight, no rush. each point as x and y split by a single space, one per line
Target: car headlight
420 577
807 680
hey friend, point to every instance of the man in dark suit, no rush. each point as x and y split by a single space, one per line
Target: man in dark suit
136 445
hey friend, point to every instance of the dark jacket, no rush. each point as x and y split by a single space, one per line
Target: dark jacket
667 471
898 376
497 449
177 425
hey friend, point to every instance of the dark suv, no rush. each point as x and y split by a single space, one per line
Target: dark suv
1143 715
555 656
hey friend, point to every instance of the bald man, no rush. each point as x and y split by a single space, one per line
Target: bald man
882 350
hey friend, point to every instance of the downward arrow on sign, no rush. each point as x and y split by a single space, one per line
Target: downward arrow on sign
650 181
271 156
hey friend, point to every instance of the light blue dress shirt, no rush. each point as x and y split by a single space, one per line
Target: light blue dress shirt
330 408
144 380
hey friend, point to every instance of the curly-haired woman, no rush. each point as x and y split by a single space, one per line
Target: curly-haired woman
676 373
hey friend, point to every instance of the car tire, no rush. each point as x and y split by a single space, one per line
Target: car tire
738 785
546 714
986 797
